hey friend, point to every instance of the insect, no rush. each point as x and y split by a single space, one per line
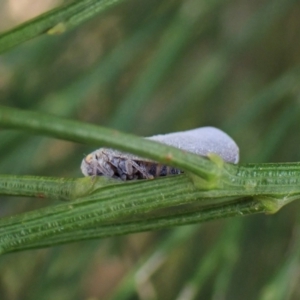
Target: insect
124 166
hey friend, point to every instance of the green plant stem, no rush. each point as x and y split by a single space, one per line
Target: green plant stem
55 21
50 187
112 211
275 180
243 207
105 210
41 123
104 207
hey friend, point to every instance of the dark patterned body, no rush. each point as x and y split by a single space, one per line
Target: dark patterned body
116 164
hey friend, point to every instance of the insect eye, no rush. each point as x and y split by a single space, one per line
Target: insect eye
89 158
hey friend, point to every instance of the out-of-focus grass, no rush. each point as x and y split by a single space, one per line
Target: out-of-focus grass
154 67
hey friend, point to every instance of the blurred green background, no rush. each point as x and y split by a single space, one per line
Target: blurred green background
149 67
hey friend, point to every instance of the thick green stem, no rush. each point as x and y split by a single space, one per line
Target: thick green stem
240 208
117 208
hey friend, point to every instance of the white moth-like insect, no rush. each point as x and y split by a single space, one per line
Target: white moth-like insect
201 141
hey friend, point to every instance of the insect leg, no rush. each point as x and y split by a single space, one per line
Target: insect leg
105 169
128 169
142 169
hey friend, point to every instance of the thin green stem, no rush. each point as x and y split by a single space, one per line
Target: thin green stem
41 123
50 187
55 21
